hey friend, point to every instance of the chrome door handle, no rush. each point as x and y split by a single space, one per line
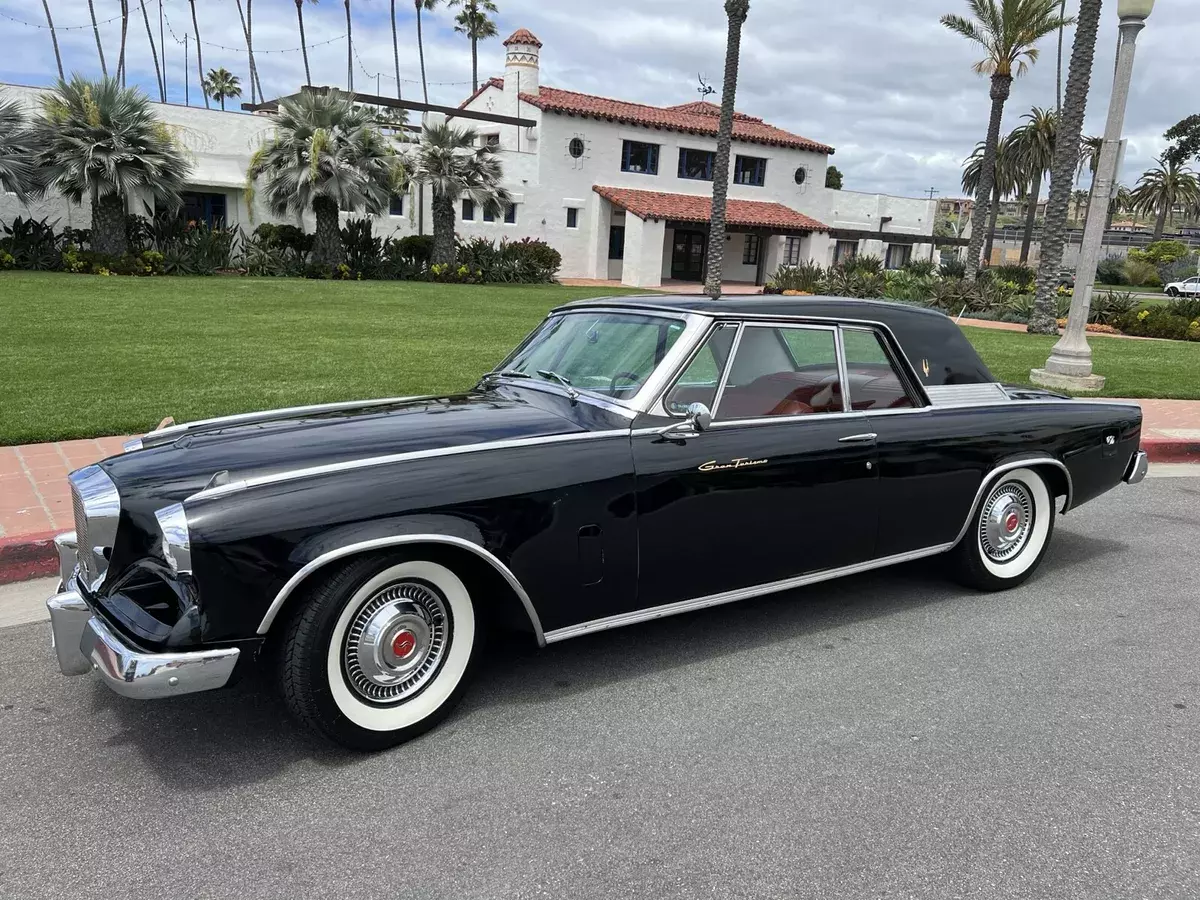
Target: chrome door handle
858 438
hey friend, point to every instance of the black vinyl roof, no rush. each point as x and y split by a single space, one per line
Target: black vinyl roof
938 350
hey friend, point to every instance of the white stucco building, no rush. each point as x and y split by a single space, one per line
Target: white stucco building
622 190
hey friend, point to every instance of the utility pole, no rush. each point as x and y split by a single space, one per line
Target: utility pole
933 192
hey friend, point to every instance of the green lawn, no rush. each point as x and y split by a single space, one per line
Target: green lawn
85 356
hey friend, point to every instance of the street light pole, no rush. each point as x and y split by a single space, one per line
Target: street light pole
1070 362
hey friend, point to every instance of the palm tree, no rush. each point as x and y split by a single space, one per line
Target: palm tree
103 141
303 43
124 36
1008 30
448 160
162 88
53 36
1005 183
1090 147
221 83
199 52
17 145
1160 190
326 154
349 50
1062 15
99 46
247 19
1034 145
736 11
396 51
1044 318
1122 201
474 22
420 5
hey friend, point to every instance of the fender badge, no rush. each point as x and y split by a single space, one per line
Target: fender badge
740 463
925 367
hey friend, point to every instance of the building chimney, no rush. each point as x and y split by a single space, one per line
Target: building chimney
523 50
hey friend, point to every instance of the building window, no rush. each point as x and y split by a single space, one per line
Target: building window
791 252
572 217
510 214
396 206
898 255
639 157
844 251
468 210
576 148
616 242
697 164
489 214
750 170
206 208
801 175
753 249
491 140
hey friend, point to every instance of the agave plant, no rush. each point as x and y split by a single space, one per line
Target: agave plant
103 141
326 154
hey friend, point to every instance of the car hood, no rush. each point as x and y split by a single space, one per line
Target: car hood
271 442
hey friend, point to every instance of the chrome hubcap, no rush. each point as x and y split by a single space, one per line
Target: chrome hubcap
1006 521
396 642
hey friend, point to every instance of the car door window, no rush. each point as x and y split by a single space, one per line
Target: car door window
782 371
874 382
702 377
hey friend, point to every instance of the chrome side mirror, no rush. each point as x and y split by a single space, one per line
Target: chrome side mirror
698 420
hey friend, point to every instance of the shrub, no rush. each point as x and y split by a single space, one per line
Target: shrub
537 259
909 287
286 237
1108 307
7 261
872 265
1188 307
807 276
1161 253
953 268
920 267
1022 277
363 250
1021 307
1157 323
32 244
954 294
416 247
862 284
1142 272
1111 270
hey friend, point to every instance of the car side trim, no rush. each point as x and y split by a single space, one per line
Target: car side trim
398 540
1024 463
758 590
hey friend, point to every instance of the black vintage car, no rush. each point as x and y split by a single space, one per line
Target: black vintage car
633 458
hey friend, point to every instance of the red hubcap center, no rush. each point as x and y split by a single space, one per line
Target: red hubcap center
404 643
1012 521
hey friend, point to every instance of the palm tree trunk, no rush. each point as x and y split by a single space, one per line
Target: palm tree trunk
250 48
1001 86
1035 193
249 51
737 11
53 38
992 219
99 46
421 53
443 229
349 50
1062 15
199 52
327 243
303 43
1062 175
396 52
474 64
162 91
124 36
108 225
1161 223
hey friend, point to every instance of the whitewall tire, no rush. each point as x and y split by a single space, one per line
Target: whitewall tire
1009 533
380 652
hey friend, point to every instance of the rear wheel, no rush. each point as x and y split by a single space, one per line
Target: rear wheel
1009 534
381 651
1172 292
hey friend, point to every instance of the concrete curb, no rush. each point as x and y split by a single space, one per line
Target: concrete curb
33 555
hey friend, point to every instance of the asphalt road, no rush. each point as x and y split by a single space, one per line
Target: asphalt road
886 736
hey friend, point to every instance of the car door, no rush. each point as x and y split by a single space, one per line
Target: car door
1192 286
781 483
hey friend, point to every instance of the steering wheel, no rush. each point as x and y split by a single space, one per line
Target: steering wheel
623 376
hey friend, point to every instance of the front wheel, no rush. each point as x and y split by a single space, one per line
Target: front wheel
1009 534
381 651
1172 292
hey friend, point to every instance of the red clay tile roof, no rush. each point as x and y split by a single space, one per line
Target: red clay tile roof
693 118
698 208
523 36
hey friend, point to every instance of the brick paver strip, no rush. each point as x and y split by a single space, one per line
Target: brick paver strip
35 503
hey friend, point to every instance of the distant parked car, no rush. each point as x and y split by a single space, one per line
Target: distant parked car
1188 288
1066 278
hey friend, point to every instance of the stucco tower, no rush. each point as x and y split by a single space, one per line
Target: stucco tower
523 52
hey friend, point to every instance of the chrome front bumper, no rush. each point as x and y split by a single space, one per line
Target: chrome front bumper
84 643
1138 467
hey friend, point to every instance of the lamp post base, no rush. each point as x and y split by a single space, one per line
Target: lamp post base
1059 381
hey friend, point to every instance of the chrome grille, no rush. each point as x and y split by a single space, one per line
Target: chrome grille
81 534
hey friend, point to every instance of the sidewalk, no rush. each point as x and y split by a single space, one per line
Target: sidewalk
35 502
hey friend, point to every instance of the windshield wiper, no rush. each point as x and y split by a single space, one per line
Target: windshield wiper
508 373
565 382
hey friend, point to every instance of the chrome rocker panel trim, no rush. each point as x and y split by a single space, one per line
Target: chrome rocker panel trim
83 643
1139 467
398 540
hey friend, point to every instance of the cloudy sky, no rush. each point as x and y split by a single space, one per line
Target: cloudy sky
880 80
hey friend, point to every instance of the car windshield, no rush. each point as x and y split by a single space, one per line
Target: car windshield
605 353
